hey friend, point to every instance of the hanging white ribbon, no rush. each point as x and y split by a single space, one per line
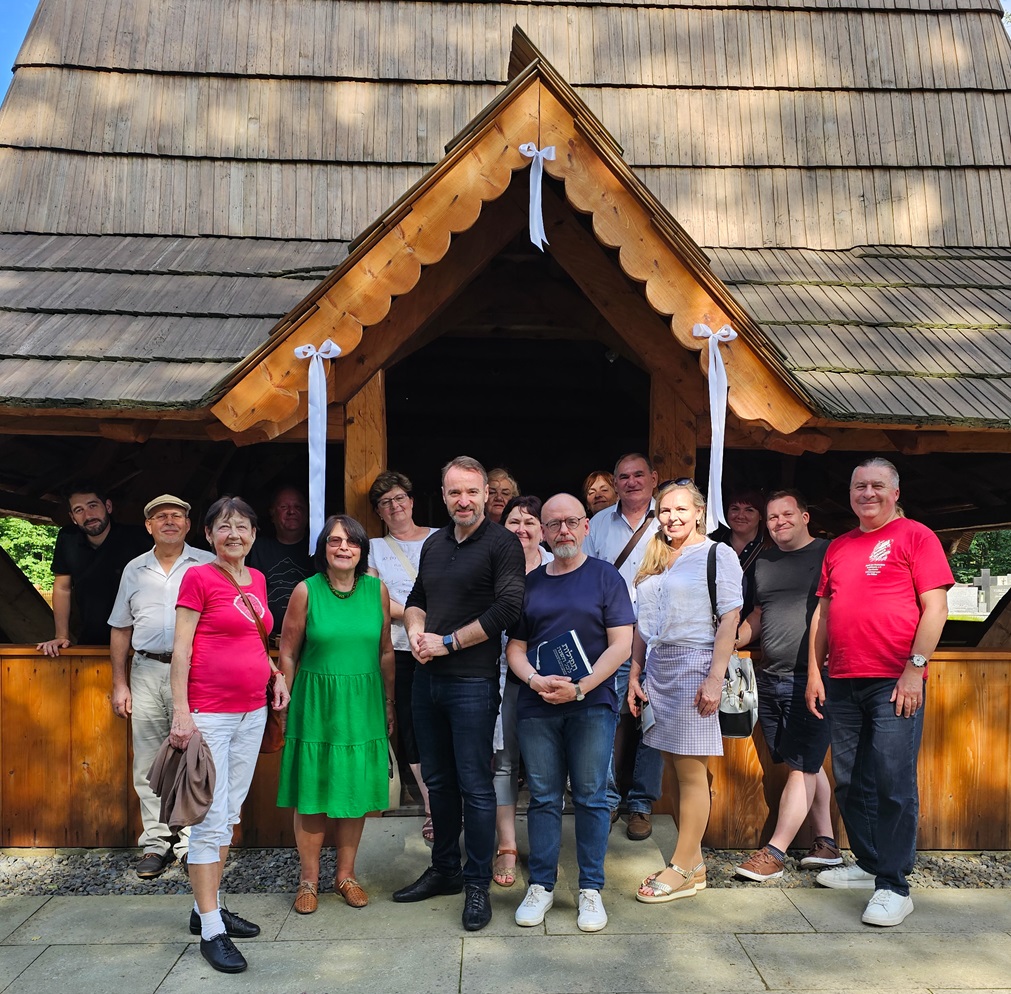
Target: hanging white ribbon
317 432
530 150
718 388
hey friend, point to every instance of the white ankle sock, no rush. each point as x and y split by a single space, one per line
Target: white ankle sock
211 924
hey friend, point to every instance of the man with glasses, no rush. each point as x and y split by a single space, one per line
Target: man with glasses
145 615
285 559
566 723
883 600
468 591
619 535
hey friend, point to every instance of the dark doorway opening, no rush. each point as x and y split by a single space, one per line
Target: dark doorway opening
549 410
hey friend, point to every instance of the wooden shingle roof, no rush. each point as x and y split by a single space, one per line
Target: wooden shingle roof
175 177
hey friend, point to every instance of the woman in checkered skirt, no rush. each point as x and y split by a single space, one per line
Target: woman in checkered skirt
684 651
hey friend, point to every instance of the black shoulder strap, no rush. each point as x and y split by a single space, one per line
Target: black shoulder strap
711 578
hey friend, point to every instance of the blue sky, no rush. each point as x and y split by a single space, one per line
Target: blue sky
15 16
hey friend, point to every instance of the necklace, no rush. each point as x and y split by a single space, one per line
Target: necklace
341 594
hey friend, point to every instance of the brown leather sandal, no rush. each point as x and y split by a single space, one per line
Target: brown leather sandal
305 900
352 892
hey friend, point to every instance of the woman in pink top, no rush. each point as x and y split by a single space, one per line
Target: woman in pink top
220 670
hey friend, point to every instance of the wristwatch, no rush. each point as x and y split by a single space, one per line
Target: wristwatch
579 692
447 641
917 660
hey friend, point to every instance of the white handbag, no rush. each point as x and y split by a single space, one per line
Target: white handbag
739 699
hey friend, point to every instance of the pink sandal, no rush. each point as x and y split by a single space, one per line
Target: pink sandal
428 830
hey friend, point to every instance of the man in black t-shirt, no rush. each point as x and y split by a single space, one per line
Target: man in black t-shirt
785 583
285 559
88 563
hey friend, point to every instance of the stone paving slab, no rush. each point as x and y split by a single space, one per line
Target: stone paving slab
16 910
115 920
934 911
602 963
15 960
100 969
882 960
413 966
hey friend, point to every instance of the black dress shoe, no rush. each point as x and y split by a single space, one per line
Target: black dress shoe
476 908
431 883
153 864
221 953
235 927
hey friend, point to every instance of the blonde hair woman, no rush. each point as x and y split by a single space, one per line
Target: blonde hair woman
685 656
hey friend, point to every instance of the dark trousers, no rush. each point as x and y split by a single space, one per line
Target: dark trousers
874 762
454 724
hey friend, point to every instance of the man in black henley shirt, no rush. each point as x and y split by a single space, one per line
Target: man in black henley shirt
468 591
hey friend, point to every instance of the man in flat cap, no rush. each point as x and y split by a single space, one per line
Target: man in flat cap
145 615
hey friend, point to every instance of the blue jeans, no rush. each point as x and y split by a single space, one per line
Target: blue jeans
874 762
454 724
647 774
577 743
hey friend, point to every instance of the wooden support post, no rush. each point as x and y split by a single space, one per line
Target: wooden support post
364 450
672 431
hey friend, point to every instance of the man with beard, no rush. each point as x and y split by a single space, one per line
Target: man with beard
145 614
469 589
285 559
566 723
88 562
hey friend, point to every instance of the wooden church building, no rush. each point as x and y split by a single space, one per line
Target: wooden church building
189 191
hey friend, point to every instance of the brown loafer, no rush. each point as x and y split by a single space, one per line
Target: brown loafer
305 900
639 826
153 864
352 892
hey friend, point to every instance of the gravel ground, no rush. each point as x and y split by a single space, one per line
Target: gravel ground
110 871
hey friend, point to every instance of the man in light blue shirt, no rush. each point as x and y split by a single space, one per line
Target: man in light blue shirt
619 535
145 614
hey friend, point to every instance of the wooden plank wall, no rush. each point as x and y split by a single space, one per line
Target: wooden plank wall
66 762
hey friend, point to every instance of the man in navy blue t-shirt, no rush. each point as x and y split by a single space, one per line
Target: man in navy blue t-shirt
566 723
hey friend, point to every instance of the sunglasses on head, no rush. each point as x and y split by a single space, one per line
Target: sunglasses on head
681 481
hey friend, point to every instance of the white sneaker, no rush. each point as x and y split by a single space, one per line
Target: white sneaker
535 906
847 877
592 916
887 908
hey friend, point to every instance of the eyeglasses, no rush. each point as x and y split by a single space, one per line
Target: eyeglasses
163 516
571 523
387 502
336 543
681 481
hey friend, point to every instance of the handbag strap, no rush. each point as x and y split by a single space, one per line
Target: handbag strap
627 551
412 573
260 627
752 556
711 580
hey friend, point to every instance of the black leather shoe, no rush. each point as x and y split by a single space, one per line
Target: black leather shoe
221 953
153 864
431 883
235 927
476 908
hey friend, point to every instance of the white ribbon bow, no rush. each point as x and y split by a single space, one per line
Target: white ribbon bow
718 389
317 432
530 150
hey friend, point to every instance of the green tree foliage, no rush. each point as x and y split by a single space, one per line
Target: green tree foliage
31 547
989 550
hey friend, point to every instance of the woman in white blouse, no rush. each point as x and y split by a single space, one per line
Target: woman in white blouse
394 560
684 652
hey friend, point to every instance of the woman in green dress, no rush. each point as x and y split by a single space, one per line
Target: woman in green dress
337 657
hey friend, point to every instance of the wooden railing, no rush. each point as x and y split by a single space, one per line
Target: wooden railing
65 761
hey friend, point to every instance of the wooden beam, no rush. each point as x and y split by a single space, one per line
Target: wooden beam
364 450
672 432
439 284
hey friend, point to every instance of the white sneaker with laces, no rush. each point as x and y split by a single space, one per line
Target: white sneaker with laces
535 906
592 916
887 908
846 877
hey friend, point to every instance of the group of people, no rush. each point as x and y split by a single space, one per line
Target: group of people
482 648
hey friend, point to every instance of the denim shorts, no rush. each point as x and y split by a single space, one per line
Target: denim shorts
794 735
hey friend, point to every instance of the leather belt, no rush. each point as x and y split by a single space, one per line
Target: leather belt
161 657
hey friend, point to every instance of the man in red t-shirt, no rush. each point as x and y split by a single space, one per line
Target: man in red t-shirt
883 600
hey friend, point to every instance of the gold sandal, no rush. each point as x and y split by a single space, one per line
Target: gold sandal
506 873
305 900
662 893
